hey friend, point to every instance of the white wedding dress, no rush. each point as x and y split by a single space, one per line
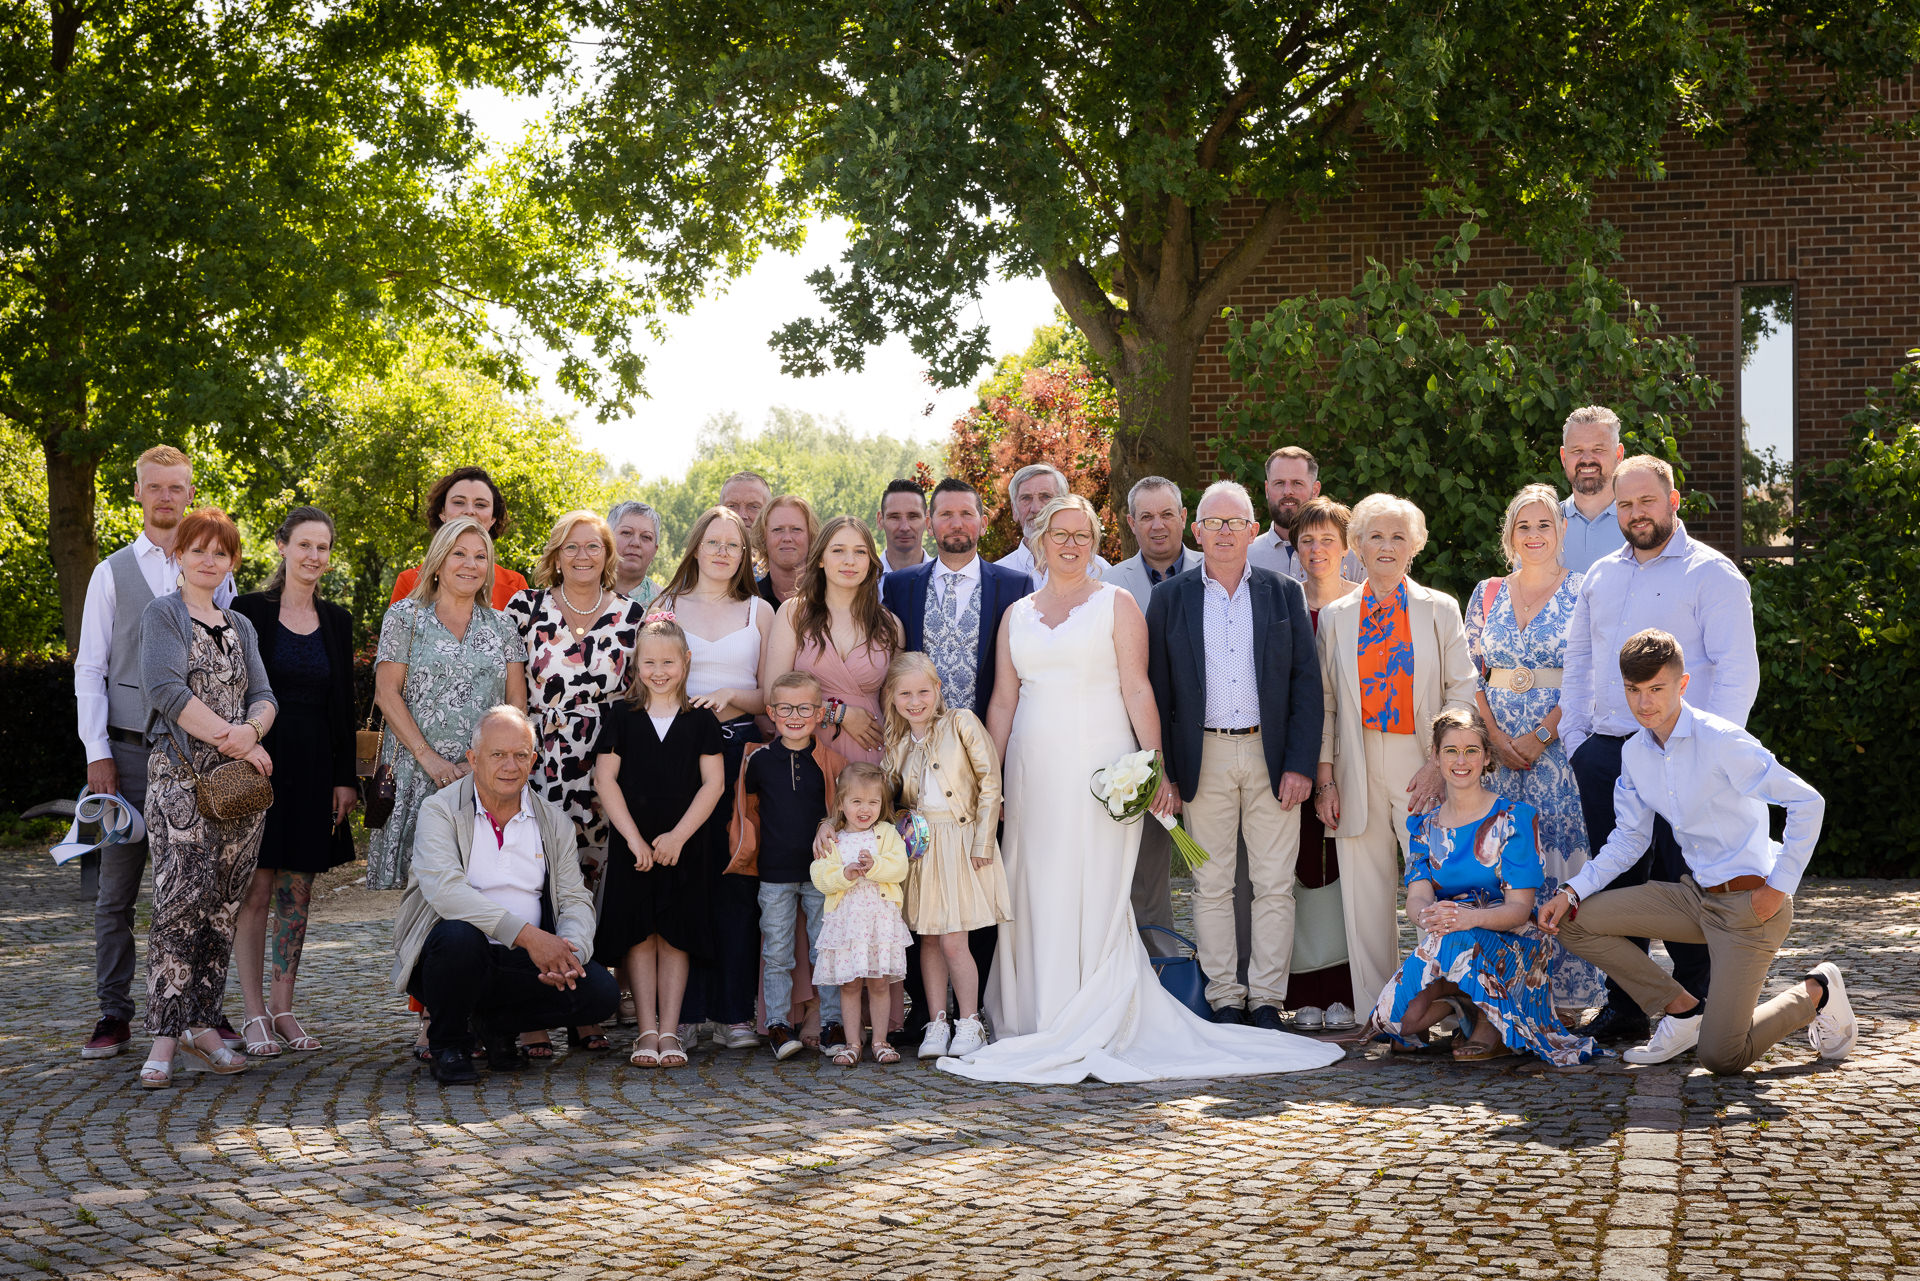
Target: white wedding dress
1071 992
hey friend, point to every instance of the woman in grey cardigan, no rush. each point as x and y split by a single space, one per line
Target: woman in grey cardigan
208 690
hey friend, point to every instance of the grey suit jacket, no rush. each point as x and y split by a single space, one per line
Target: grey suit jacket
438 889
1131 574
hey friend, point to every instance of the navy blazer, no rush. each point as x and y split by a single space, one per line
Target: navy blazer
904 591
1286 665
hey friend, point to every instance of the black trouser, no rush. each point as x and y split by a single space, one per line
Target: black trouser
1596 768
465 979
980 942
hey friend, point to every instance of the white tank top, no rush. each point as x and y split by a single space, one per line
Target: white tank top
732 662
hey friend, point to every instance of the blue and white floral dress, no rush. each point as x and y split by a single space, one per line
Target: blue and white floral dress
1497 640
1505 973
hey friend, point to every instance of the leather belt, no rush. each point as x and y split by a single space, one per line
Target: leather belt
1525 678
131 737
1738 885
1251 729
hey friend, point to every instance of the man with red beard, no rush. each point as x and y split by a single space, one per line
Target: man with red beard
1590 450
1660 579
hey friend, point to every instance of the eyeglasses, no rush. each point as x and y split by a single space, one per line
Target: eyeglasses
784 710
714 547
1232 524
1078 537
1463 753
581 549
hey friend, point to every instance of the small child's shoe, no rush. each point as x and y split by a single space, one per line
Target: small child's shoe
969 1035
785 1044
939 1032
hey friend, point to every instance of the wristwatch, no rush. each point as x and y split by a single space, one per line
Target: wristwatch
1542 733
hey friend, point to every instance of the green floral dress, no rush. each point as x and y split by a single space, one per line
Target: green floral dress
450 683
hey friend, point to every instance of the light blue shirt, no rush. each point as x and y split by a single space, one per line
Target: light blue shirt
1712 783
1233 691
1588 540
1690 591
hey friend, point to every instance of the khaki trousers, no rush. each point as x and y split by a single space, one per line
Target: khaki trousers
1370 864
1233 797
1732 1032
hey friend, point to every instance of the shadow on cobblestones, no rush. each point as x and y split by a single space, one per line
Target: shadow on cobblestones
351 1163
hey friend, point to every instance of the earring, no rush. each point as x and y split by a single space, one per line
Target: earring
180 580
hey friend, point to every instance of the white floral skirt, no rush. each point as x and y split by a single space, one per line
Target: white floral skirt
863 938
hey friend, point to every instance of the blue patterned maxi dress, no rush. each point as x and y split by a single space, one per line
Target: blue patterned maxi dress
1496 641
1505 973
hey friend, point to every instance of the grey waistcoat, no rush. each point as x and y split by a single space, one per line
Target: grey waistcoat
126 693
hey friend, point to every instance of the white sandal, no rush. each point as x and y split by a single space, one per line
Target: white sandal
156 1074
299 1040
221 1061
266 1047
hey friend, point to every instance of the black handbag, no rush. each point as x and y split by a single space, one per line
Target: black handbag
379 790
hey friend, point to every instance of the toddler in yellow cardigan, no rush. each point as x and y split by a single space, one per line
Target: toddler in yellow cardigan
863 943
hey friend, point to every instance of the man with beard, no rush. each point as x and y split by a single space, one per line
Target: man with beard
113 716
1590 450
1030 490
1293 481
951 608
1665 580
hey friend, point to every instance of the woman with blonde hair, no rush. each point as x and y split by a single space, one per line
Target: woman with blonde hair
1517 633
579 634
445 656
1393 655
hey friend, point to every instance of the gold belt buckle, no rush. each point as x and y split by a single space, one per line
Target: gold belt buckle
1522 679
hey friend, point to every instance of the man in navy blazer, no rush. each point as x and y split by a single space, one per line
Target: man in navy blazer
1231 657
951 608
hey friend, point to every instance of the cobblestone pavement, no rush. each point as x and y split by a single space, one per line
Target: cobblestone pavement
350 1163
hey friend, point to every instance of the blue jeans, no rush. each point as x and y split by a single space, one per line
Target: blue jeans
777 903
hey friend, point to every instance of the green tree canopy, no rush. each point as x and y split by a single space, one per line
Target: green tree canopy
195 192
1105 146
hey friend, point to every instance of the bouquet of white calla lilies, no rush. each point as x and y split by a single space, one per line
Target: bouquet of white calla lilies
1127 788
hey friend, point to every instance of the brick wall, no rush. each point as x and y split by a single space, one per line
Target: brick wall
1846 236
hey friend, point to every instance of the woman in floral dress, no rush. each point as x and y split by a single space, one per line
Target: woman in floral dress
1517 632
579 634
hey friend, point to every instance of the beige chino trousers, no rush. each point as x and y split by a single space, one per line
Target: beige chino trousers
1233 797
1371 863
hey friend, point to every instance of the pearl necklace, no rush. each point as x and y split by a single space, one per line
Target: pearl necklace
591 614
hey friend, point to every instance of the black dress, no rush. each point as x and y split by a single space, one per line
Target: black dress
311 742
658 779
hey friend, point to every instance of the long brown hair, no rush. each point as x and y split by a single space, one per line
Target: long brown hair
299 516
687 576
813 622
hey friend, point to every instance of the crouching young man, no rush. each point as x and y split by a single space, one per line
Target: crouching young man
496 927
1712 782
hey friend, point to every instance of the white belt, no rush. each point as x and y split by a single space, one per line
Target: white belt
1525 678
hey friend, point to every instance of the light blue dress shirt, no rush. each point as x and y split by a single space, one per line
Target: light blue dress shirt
1712 783
1588 540
1690 591
1233 691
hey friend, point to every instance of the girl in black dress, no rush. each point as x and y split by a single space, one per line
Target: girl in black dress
658 776
306 645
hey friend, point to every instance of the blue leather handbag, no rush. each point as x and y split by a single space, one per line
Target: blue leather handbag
1181 975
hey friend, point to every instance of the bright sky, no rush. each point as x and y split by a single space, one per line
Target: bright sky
1766 394
716 359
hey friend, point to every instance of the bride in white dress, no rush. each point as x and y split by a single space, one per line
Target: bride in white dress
1072 994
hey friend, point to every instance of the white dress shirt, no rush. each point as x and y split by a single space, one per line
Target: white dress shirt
1233 689
1712 783
508 865
90 665
963 581
1274 551
1020 559
1690 591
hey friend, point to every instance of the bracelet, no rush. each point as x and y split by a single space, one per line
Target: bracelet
1322 788
254 725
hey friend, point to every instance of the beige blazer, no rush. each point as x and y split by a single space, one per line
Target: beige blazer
961 753
1443 677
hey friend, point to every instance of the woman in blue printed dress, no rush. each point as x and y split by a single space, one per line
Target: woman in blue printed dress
1517 630
1471 885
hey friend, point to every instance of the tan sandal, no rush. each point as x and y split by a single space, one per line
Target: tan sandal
1475 1052
220 1060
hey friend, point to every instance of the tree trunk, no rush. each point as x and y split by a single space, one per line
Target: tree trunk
71 540
1154 387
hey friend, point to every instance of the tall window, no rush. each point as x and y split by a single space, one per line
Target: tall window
1766 418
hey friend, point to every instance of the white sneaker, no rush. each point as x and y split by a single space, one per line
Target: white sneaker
1671 1038
689 1034
1339 1016
969 1035
1309 1018
939 1033
738 1036
1834 1029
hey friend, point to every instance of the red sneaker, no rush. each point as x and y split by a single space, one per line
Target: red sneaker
110 1036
